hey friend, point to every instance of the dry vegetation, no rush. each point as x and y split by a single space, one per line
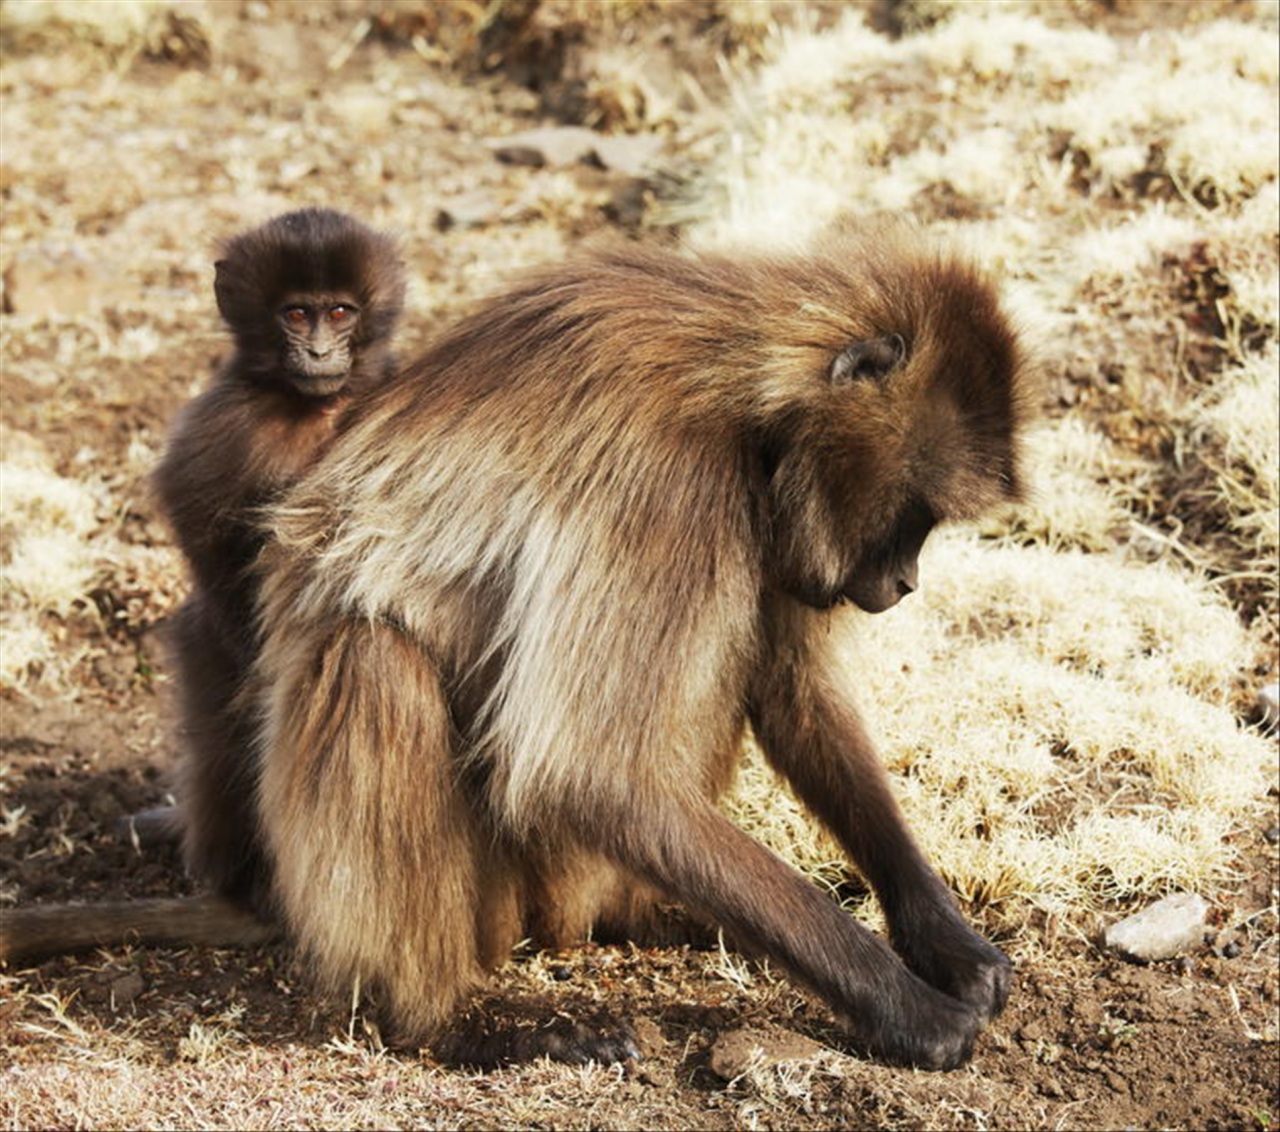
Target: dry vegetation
1068 706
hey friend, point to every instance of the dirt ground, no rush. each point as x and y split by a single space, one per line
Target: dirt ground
187 1038
1088 1041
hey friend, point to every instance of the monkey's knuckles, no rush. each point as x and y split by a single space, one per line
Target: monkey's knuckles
927 1030
967 968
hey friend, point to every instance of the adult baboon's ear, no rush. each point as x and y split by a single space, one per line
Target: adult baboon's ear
868 360
801 554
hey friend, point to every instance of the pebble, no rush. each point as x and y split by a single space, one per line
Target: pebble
1272 835
733 1052
1167 928
126 988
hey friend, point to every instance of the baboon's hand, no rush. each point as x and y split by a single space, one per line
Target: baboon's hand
486 1042
923 1028
948 954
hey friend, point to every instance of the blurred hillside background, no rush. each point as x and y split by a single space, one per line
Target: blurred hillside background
1074 707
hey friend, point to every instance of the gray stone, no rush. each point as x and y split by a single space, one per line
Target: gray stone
632 154
1167 928
736 1051
554 146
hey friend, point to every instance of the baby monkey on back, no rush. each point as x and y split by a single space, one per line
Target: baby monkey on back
312 299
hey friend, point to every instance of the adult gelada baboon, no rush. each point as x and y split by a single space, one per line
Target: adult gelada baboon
514 630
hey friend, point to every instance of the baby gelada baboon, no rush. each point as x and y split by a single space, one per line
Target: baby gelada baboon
312 299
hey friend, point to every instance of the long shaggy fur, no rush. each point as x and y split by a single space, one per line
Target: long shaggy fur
514 628
235 448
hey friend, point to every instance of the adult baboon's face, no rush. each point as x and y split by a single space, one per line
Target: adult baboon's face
895 442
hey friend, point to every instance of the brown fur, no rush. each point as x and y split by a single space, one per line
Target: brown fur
514 631
234 449
209 921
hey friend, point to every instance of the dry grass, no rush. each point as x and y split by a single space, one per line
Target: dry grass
1065 705
1064 712
1053 664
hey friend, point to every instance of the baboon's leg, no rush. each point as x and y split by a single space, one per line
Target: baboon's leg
577 894
695 853
31 934
382 862
217 777
813 736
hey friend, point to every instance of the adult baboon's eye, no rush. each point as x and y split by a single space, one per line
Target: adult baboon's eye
871 359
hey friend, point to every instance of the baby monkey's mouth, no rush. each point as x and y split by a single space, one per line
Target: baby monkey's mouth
312 385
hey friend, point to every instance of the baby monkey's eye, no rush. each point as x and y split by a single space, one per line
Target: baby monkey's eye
295 315
340 312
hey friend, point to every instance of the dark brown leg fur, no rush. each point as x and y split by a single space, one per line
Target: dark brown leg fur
814 737
216 782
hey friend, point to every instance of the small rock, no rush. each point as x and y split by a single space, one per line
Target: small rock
1269 704
1272 835
126 988
1032 1031
556 146
632 154
649 1037
476 209
1231 951
1165 929
56 279
561 973
735 1051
